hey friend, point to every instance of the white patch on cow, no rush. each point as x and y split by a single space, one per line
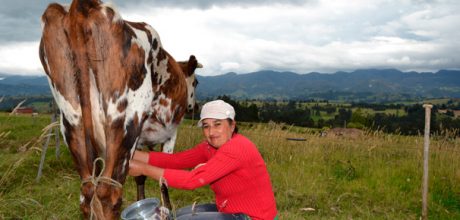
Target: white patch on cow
154 33
162 111
168 147
55 93
82 198
45 58
131 153
116 17
66 7
142 40
112 107
73 115
97 112
63 130
190 91
161 68
158 133
42 24
163 132
139 100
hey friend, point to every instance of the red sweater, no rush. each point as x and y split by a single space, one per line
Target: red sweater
236 172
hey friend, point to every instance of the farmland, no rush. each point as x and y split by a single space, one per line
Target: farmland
374 176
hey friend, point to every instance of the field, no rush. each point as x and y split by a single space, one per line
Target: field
375 176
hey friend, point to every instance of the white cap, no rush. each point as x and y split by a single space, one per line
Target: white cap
217 109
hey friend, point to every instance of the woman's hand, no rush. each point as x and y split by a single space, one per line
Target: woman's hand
141 156
136 168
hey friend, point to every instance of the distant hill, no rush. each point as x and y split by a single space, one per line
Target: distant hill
367 85
18 85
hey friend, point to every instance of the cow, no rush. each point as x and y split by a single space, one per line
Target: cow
166 115
161 126
108 77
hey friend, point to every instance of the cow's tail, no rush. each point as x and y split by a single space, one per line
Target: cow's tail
79 11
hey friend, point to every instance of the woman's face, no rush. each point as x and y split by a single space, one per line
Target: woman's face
217 131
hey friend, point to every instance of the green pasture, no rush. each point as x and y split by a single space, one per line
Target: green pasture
437 101
375 176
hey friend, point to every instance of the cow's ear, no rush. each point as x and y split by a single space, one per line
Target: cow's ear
194 60
192 65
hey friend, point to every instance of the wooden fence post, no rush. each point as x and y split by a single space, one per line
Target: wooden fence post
58 142
426 154
57 139
45 147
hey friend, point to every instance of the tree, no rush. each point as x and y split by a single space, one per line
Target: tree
358 119
342 118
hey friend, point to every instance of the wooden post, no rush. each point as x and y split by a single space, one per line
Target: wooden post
57 140
426 148
45 147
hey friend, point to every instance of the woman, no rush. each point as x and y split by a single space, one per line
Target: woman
227 161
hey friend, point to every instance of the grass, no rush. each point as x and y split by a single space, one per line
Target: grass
377 176
368 111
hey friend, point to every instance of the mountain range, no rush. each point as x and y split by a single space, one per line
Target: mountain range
22 85
366 85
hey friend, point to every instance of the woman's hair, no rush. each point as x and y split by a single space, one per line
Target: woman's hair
230 121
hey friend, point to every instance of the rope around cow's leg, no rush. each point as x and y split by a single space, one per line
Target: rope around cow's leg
95 180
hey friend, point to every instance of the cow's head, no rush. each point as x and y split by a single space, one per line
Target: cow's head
189 67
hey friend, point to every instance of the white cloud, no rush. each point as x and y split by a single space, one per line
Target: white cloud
229 66
20 58
322 35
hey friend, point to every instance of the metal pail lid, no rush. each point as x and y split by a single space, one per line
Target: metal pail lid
141 210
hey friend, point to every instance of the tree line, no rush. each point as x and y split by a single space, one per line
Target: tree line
411 121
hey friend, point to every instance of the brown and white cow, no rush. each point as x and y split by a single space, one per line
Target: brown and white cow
108 76
168 112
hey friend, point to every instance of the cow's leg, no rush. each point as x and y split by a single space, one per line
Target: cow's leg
74 138
167 147
140 182
121 142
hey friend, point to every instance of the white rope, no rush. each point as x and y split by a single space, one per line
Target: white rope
193 208
95 180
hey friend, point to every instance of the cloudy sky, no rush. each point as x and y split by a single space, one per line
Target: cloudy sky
286 35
